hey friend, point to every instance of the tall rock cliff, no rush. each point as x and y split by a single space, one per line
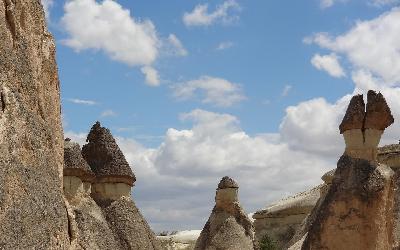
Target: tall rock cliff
32 210
357 210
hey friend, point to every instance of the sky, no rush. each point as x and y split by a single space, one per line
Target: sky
196 90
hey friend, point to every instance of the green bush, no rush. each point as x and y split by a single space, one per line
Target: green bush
267 243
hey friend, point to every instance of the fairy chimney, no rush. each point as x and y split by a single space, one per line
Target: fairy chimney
78 176
356 212
114 176
362 128
228 226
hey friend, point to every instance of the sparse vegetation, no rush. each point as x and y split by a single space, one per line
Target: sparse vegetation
267 243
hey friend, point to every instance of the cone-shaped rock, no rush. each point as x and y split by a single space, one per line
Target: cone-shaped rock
378 115
87 225
32 210
111 191
105 157
354 117
74 164
228 227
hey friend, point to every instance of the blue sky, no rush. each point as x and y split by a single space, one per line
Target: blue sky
253 89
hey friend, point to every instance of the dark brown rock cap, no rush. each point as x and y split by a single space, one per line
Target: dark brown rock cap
376 116
227 182
354 117
74 164
105 157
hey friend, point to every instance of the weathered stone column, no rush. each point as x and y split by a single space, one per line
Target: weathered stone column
357 212
228 226
112 191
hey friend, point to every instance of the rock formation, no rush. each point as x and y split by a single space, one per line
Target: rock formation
88 226
283 218
32 210
362 130
183 240
112 191
357 211
228 227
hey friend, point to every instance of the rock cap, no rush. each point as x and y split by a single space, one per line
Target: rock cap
227 182
105 157
354 117
74 164
376 114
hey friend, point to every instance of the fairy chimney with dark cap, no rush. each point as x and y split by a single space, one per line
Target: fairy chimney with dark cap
228 226
78 176
357 211
362 127
114 176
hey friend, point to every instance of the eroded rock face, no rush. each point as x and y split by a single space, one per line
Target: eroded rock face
32 210
281 220
357 210
228 227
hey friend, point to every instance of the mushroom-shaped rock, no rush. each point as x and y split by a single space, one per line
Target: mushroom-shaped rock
77 174
227 182
354 117
74 164
105 157
378 115
357 210
362 130
228 226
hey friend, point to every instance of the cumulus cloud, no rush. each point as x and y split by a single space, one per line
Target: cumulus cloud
216 91
373 45
329 63
326 3
82 102
151 75
106 26
224 13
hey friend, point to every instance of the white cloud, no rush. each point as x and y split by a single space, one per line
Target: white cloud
47 4
373 45
216 91
224 13
329 63
151 75
286 90
326 3
83 102
108 113
108 27
175 46
379 3
225 45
